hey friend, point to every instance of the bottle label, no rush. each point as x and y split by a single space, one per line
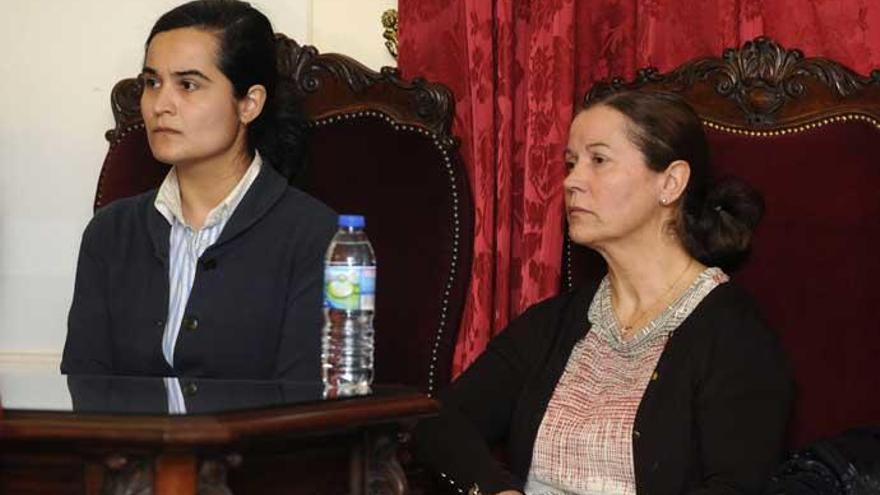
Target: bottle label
350 287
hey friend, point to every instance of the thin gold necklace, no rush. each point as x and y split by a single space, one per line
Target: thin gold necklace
628 327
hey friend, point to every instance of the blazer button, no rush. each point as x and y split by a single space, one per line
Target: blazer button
655 376
209 264
636 434
190 389
190 323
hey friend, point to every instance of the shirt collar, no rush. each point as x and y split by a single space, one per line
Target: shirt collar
168 197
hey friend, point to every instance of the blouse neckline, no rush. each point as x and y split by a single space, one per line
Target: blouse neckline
604 321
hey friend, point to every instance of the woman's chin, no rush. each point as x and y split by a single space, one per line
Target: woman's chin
163 154
581 236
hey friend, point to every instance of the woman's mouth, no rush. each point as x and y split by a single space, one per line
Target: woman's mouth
165 130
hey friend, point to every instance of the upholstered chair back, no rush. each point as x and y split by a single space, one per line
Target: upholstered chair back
379 146
806 133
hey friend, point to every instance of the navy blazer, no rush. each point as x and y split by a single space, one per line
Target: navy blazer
255 306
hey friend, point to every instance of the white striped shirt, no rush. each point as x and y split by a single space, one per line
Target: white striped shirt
186 246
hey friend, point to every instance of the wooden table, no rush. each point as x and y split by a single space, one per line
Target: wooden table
237 437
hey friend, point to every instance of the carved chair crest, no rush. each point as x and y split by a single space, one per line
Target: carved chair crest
762 85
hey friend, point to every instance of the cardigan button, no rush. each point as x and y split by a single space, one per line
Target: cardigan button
190 389
636 434
655 376
190 323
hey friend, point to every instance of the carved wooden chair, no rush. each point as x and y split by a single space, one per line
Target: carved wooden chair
379 146
806 133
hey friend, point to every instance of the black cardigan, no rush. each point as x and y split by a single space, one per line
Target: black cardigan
712 421
255 306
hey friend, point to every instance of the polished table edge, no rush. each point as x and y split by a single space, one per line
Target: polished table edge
215 429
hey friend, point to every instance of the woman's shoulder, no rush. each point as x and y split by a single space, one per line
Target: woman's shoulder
305 215
728 306
280 202
565 312
729 320
298 201
121 213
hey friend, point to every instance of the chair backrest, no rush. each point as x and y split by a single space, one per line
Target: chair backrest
806 133
379 146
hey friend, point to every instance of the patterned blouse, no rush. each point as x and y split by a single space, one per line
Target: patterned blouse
584 444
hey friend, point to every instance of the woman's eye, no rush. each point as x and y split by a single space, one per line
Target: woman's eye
150 82
598 159
188 85
569 165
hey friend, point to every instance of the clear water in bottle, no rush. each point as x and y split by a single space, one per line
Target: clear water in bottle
349 303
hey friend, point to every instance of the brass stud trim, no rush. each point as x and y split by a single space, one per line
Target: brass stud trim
794 129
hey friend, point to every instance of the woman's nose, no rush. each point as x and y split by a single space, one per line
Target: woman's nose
163 100
576 179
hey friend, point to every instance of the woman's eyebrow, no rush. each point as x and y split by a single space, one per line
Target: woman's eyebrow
180 73
191 72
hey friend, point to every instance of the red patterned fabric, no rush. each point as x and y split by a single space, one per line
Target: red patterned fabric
518 67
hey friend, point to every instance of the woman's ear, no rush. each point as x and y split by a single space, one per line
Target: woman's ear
251 104
674 180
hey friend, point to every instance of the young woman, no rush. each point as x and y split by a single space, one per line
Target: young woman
663 379
217 273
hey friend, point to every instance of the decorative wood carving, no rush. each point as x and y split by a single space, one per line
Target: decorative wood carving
390 23
213 475
426 105
762 84
125 100
126 476
385 476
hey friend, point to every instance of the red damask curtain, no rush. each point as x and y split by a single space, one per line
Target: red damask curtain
519 67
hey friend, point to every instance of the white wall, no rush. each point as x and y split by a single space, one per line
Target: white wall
59 61
352 27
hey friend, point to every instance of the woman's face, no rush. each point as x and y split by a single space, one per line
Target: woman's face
188 104
610 193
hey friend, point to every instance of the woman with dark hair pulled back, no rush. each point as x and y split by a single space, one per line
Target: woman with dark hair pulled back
662 378
218 272
715 219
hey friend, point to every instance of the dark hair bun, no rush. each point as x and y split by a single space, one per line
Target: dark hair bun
720 232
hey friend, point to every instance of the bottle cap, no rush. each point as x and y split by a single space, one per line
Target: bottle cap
352 221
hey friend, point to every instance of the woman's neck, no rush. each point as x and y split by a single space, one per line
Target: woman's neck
203 185
646 276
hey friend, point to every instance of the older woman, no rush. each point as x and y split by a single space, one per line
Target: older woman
663 379
218 272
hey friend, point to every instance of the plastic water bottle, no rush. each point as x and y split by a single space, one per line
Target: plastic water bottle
349 302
